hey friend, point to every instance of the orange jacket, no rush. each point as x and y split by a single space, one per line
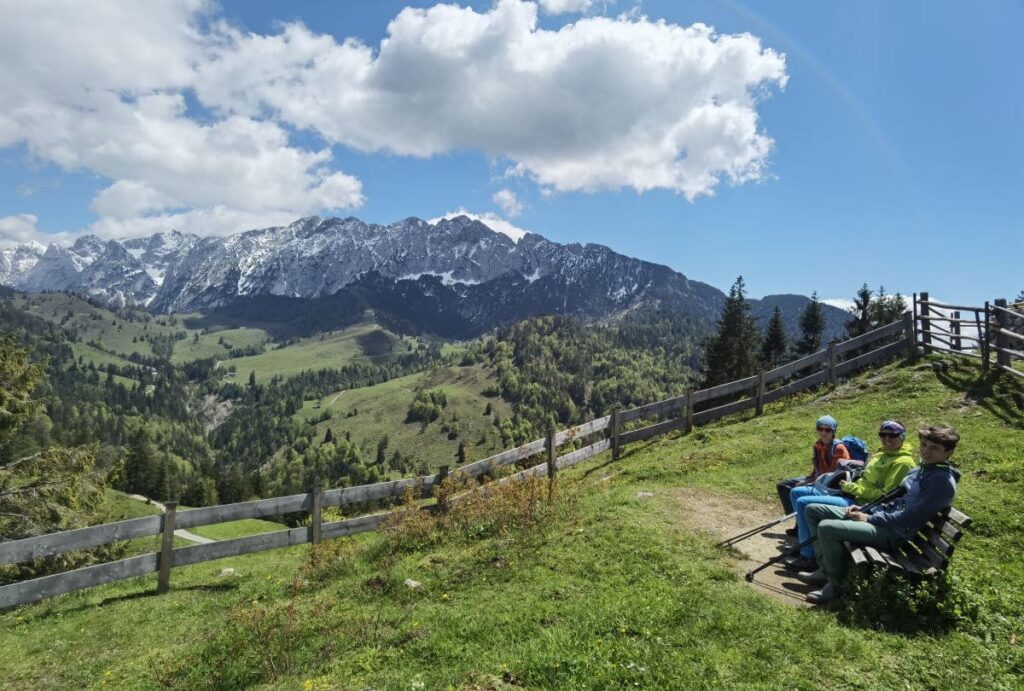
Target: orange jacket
825 458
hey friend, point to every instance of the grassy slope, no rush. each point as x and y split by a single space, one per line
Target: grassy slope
611 593
382 410
367 342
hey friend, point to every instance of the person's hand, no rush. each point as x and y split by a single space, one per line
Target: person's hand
854 514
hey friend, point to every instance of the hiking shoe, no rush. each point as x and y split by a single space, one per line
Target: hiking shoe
823 596
802 564
813 577
792 532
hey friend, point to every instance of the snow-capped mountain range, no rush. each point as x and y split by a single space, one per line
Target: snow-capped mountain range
454 265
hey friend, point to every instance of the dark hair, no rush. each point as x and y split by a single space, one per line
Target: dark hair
944 435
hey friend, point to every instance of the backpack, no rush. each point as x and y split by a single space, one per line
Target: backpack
857 447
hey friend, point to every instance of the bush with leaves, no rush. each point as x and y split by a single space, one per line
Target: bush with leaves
889 601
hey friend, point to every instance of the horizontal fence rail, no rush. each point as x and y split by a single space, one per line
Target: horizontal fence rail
812 371
994 335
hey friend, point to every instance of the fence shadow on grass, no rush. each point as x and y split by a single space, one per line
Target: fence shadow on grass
1000 394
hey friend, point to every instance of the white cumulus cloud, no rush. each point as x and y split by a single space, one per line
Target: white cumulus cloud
491 220
564 6
599 104
19 229
507 200
191 119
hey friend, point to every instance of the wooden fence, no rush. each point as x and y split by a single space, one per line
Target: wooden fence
992 333
612 432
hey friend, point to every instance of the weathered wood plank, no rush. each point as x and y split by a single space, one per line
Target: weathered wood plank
26 549
583 430
653 430
791 368
478 468
246 509
877 355
653 409
933 303
346 496
571 459
241 545
960 518
857 554
352 526
1011 370
726 389
70 581
706 416
1007 332
808 382
869 337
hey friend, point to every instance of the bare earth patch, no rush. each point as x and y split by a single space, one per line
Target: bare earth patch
721 516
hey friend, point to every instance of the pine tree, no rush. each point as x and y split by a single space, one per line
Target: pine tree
861 322
141 469
732 352
812 325
775 341
328 436
252 379
461 455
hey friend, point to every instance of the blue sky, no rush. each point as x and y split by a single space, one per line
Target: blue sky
897 153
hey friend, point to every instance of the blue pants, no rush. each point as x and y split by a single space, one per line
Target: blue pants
804 496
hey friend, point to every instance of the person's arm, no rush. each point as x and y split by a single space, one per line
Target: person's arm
937 492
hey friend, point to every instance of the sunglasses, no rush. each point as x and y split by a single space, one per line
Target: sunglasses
888 435
825 429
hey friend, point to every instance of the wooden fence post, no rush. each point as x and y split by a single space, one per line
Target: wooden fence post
163 583
552 459
909 335
613 426
832 363
1002 341
759 406
689 409
926 324
317 514
983 335
954 328
442 498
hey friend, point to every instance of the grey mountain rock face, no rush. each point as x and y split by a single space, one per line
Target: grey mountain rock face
458 266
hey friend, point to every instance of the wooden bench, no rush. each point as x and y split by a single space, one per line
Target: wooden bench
926 554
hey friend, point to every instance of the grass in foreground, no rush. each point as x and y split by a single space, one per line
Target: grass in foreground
604 589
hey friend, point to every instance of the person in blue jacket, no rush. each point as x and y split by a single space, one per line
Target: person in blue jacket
930 488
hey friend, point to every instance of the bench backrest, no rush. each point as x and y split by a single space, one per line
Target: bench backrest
927 552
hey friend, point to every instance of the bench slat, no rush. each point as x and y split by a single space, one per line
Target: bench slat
857 553
939 561
951 532
960 518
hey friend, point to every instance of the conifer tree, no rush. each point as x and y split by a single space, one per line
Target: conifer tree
775 342
328 436
461 456
732 352
812 325
861 322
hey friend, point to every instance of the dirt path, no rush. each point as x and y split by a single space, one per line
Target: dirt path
335 398
183 534
721 516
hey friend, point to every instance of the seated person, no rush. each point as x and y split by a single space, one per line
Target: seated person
930 487
826 453
884 472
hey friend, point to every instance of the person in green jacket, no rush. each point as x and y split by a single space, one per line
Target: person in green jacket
886 470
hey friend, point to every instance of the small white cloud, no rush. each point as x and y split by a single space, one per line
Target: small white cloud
841 303
565 6
23 228
509 202
491 220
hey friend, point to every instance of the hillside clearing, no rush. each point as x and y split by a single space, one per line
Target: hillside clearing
608 590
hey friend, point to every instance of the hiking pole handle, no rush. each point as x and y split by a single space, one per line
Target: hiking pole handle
753 531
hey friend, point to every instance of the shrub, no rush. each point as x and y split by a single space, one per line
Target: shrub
888 601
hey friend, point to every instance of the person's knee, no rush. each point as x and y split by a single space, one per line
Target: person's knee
828 528
817 512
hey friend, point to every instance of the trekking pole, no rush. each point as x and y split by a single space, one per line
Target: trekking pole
888 496
753 531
